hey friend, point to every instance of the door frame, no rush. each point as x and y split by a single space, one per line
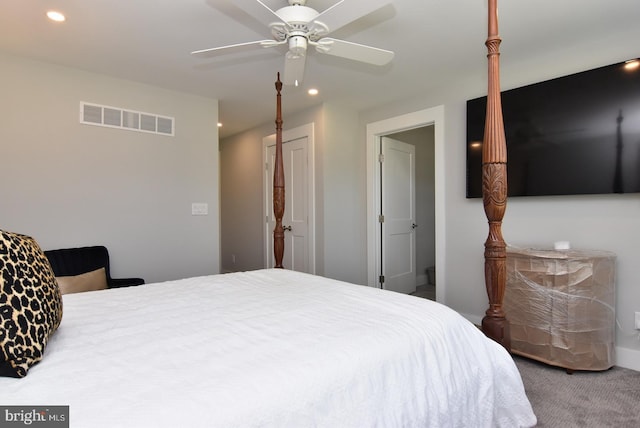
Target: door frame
375 130
270 140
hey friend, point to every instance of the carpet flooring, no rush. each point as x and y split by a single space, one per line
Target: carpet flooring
584 399
426 291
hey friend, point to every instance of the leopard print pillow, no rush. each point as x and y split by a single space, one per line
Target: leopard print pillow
30 303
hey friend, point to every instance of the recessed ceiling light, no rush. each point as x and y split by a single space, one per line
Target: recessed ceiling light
312 91
55 16
632 64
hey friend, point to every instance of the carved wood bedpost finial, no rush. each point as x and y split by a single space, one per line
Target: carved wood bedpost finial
494 192
278 184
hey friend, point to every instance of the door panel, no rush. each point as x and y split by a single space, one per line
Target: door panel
398 209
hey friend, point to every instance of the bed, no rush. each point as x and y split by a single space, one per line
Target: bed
270 348
266 348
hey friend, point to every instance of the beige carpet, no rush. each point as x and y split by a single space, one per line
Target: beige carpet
584 399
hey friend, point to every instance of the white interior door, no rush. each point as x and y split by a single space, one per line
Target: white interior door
398 216
296 215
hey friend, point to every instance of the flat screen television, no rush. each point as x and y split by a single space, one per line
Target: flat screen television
578 134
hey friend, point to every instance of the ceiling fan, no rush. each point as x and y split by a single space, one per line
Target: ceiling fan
299 26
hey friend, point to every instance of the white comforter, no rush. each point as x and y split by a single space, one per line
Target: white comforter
270 348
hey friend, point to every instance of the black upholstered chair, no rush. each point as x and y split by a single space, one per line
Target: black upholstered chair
76 261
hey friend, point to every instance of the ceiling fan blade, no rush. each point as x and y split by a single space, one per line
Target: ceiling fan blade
258 10
345 11
294 69
354 51
239 47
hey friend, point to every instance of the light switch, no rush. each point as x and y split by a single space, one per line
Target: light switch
199 208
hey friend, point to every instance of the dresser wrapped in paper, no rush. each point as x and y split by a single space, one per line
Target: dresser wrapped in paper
561 306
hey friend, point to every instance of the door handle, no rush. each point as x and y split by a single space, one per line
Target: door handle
413 226
286 228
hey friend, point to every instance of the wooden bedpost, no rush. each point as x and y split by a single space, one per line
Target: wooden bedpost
278 184
494 192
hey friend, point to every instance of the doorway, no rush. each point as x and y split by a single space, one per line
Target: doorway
422 225
397 216
430 117
298 219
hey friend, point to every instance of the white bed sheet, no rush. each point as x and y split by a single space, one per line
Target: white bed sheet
270 348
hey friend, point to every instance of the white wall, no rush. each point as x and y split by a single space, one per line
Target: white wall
242 174
344 196
241 189
68 184
605 222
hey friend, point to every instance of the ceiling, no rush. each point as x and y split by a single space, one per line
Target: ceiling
435 43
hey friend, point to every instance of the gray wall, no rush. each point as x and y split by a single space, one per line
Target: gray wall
241 176
68 184
607 222
344 196
241 212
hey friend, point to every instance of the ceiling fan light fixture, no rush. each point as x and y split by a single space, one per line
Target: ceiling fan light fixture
298 45
297 15
632 64
300 26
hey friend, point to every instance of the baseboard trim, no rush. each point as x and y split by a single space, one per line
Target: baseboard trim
628 358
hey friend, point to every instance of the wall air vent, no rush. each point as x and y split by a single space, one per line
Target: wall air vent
114 117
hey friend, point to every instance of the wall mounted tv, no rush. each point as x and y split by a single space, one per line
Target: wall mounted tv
578 134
